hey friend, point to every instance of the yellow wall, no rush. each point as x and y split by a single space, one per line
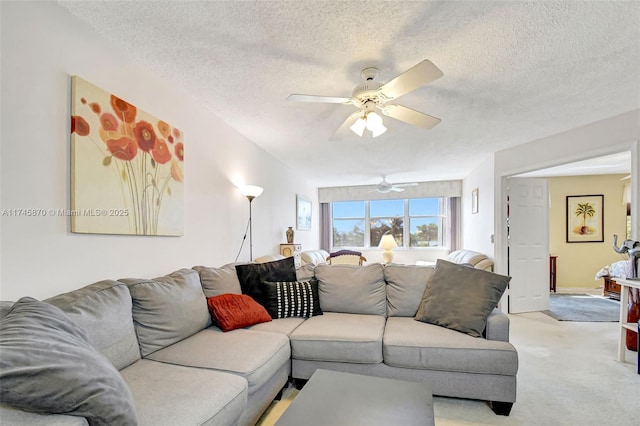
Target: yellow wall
579 262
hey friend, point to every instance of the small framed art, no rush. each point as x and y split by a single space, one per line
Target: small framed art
303 213
585 218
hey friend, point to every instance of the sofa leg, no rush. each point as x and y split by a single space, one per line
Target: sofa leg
501 408
299 383
279 395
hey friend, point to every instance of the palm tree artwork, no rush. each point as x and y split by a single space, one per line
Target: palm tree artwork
585 210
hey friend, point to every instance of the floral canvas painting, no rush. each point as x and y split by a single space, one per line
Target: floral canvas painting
127 167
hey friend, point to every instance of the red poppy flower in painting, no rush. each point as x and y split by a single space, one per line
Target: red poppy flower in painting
176 171
164 129
123 148
79 126
145 135
109 122
95 107
161 152
180 151
176 133
124 110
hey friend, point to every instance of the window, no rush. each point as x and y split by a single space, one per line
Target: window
348 224
361 224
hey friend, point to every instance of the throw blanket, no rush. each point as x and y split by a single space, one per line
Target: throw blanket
620 269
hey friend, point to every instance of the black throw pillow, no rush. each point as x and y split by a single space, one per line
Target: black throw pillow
287 299
251 276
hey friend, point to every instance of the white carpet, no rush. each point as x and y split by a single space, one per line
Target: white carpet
568 375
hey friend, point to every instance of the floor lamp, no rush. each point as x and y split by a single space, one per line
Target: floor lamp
251 192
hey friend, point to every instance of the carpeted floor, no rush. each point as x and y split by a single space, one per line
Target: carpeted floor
568 375
583 307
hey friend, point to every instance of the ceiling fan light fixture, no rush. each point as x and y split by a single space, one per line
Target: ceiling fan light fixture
375 125
359 126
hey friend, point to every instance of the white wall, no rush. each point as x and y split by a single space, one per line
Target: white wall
42 46
477 228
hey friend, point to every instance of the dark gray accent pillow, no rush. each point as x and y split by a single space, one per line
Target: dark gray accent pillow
251 276
460 298
48 365
292 299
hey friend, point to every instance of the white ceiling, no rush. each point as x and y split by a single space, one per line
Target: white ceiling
513 72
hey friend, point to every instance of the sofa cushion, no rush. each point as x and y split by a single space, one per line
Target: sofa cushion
251 276
103 311
292 299
339 337
168 394
305 272
167 309
460 298
13 417
48 365
412 344
352 289
254 355
405 287
217 281
283 325
231 311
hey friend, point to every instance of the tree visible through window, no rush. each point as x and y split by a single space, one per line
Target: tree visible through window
361 224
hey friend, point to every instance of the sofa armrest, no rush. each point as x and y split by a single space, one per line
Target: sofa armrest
497 326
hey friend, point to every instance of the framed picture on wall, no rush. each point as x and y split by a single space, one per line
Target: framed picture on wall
303 213
585 218
474 201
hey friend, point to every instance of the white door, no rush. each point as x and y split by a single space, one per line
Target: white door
528 244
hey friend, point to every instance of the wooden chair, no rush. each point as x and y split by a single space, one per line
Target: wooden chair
346 257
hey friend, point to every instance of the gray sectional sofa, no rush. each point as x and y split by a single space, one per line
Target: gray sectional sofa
158 337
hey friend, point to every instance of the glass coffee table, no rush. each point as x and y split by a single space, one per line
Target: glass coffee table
335 398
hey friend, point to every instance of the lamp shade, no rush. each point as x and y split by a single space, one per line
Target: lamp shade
251 191
358 126
387 242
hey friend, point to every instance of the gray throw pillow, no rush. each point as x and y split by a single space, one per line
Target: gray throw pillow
217 281
460 298
48 365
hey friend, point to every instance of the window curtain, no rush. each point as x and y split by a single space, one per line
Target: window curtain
454 223
325 226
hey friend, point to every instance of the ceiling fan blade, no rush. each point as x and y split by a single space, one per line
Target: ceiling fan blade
340 133
396 189
406 184
321 99
410 116
421 74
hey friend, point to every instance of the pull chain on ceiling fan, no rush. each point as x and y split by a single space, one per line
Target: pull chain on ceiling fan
374 95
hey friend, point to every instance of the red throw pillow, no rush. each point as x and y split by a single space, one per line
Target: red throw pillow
231 311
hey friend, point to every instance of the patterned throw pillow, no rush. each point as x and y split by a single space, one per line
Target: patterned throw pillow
230 311
292 299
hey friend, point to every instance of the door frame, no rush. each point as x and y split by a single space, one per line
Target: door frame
500 181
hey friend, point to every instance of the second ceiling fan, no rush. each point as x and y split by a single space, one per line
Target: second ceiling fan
373 95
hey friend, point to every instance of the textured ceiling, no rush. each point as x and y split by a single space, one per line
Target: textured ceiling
513 72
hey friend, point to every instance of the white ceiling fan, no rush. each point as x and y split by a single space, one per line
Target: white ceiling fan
384 186
373 95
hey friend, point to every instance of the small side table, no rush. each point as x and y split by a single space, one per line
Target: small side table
552 273
295 250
